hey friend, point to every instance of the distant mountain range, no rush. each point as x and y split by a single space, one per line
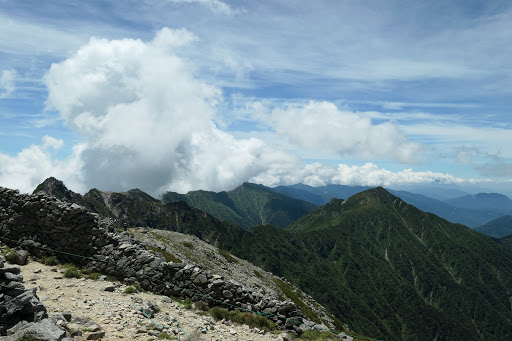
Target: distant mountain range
484 201
470 210
247 205
497 228
319 195
381 265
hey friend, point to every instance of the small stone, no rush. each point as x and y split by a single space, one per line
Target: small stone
200 279
12 277
76 333
95 335
67 315
227 294
110 288
38 271
286 337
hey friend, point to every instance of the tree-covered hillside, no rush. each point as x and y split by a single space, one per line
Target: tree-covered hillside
392 271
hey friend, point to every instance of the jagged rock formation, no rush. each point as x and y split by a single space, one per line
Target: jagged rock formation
136 208
41 221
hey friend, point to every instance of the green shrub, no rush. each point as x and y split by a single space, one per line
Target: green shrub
203 306
50 260
189 245
94 276
10 255
166 336
237 316
71 271
187 304
219 313
130 290
168 256
317 335
257 274
111 278
138 287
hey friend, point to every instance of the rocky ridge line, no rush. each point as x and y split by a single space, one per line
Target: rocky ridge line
42 221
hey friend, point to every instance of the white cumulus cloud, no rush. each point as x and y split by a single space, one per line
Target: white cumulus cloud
147 121
321 126
32 165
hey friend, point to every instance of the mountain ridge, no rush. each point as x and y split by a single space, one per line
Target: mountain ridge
247 205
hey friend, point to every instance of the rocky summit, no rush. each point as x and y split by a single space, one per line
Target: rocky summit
45 227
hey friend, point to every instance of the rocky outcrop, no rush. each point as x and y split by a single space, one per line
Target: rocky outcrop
16 303
40 224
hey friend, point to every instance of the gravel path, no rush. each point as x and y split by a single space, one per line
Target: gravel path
118 315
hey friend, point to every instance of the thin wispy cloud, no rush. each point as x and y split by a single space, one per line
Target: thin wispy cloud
215 6
7 83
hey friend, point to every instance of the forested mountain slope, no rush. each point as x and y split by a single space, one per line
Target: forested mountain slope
391 270
247 205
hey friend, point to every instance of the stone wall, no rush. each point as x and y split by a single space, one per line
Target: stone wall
39 222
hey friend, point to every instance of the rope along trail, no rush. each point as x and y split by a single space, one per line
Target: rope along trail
190 291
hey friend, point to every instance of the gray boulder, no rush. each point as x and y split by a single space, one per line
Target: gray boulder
20 257
44 330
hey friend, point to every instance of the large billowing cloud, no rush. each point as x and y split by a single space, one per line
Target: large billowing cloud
147 121
321 126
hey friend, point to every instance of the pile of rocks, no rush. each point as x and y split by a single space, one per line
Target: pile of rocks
21 311
40 222
16 303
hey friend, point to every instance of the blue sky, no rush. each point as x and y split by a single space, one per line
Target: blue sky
206 94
